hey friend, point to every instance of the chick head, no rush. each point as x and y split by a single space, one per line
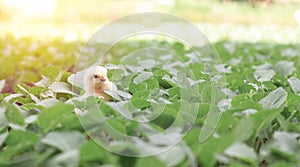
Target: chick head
96 75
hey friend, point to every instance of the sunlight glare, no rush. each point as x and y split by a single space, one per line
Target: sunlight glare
33 7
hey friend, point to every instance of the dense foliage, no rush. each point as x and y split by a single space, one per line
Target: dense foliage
41 122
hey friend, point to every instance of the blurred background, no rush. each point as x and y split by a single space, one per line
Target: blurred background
36 33
73 20
196 10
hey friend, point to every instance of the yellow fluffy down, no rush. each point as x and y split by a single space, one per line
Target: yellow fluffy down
96 81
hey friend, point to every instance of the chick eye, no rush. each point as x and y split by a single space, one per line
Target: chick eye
96 76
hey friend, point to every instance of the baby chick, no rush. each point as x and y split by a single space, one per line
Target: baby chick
96 81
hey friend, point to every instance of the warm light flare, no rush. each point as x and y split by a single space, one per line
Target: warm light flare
33 7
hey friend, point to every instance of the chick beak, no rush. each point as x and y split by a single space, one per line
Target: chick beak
102 78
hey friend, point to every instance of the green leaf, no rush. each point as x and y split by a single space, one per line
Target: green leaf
121 108
52 116
152 84
280 81
143 94
113 94
19 141
125 148
51 72
139 87
159 74
92 152
24 159
44 82
149 162
293 101
71 122
140 103
124 94
142 77
14 115
224 125
3 137
286 142
245 88
3 119
165 120
168 156
64 141
275 99
197 70
61 87
264 75
36 90
269 86
243 101
48 102
90 102
295 84
115 75
241 151
181 80
241 132
284 68
174 92
180 51
65 76
77 79
106 110
210 93
117 125
68 158
32 96
234 81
